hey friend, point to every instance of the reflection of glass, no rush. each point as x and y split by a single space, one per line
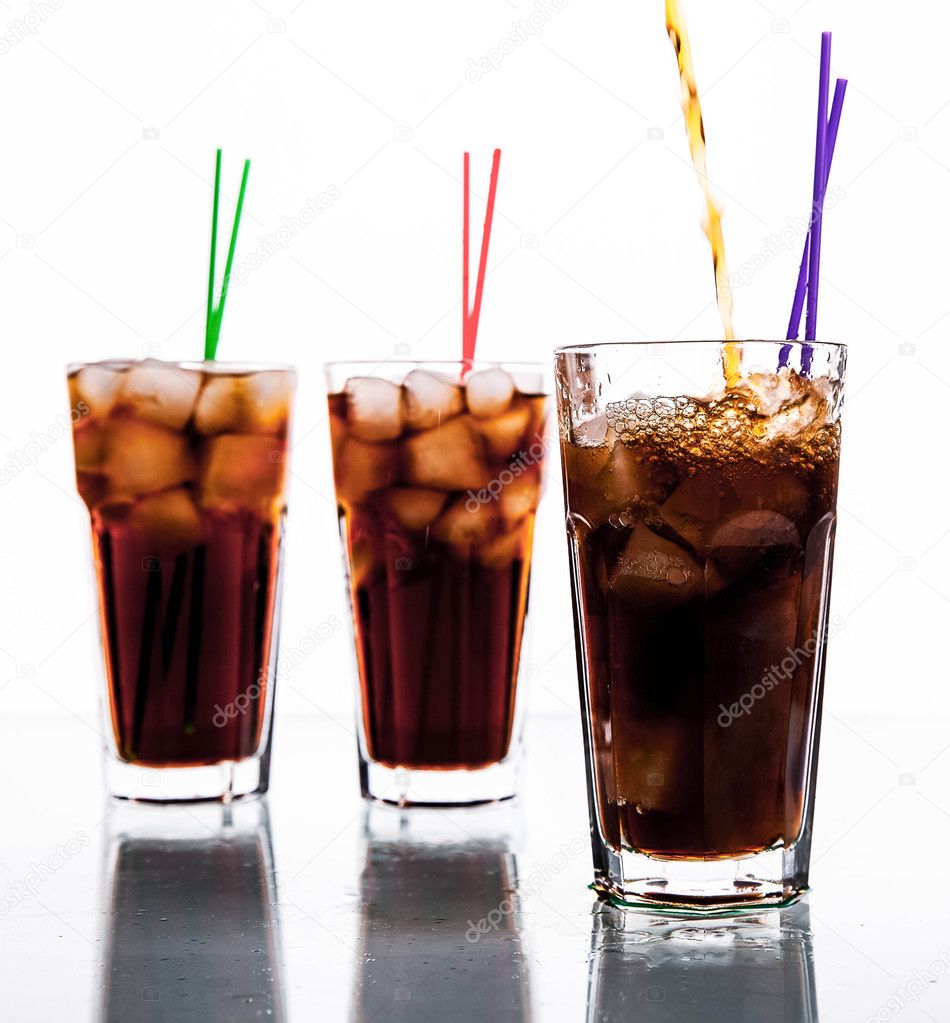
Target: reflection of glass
440 935
192 929
745 970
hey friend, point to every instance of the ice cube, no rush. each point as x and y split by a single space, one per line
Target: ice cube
267 396
802 420
755 529
537 425
655 573
759 488
694 509
592 432
446 458
503 550
792 405
430 399
464 523
740 540
363 467
94 389
161 393
90 454
770 392
255 403
373 408
585 492
519 498
170 518
243 471
415 507
488 392
762 621
337 435
364 560
505 434
89 446
650 762
219 405
141 458
631 479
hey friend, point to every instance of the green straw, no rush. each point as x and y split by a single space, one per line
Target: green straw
215 313
209 349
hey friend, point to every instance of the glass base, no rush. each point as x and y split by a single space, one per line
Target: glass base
766 880
401 786
223 782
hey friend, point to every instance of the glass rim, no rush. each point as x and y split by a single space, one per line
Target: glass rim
201 365
826 346
474 363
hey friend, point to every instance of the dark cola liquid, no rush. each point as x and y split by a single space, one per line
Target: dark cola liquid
438 640
188 637
438 624
701 582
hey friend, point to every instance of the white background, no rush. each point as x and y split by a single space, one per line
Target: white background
111 115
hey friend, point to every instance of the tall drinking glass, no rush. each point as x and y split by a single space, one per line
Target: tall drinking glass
701 523
438 475
182 467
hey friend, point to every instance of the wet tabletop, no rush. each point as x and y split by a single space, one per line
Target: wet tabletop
311 905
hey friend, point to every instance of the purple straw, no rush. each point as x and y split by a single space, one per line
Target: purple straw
831 137
808 270
818 191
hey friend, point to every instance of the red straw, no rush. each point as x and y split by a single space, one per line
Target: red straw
465 233
470 316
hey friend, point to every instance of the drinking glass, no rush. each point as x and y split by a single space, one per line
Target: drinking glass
182 467
701 523
438 475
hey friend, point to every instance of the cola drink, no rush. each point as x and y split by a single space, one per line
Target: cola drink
437 481
701 531
182 468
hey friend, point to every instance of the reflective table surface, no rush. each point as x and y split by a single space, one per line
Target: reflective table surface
312 905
